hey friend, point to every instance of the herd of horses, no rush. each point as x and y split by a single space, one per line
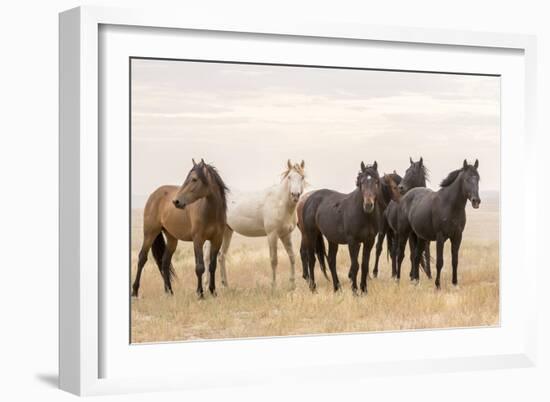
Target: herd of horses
401 209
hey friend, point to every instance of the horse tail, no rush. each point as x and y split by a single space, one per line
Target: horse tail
321 254
158 248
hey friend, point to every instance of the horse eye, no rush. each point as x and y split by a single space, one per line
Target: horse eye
194 179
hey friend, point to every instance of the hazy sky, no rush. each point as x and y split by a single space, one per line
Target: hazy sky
248 120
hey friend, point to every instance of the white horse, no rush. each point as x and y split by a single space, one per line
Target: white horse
270 212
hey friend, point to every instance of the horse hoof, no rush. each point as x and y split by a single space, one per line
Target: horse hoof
213 292
135 293
415 282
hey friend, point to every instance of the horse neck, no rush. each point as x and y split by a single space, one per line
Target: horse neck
214 204
453 194
421 182
282 194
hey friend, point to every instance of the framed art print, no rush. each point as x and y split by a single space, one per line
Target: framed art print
248 189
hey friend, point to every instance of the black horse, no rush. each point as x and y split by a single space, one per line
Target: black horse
387 194
351 219
415 176
438 216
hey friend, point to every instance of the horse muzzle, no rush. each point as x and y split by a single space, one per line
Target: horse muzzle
475 202
179 204
295 197
368 207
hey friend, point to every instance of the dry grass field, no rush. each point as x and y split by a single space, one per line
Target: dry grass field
249 307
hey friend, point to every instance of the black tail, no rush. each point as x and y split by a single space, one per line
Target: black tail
321 254
158 248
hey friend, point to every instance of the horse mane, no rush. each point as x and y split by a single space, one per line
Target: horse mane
425 172
218 181
451 177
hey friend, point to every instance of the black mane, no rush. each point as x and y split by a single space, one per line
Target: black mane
451 177
219 182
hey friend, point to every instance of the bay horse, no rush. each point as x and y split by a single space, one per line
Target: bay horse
195 211
415 176
439 215
270 213
351 219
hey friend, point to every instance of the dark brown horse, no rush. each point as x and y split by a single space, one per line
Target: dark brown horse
415 176
438 215
351 219
195 211
389 190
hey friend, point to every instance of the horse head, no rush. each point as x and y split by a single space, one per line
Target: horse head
194 187
368 183
470 183
415 176
391 183
295 178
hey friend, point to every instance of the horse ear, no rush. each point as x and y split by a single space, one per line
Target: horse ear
421 161
411 159
289 164
375 165
303 164
476 165
465 165
394 172
194 163
362 166
202 161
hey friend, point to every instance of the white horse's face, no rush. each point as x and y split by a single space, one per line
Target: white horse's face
295 185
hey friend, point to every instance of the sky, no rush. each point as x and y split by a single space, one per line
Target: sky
247 120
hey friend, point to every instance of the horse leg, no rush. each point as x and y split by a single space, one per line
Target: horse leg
367 247
418 255
379 247
332 251
212 269
199 265
427 268
412 249
455 246
311 263
287 243
391 250
400 252
439 259
304 258
171 244
227 235
142 259
207 250
353 248
272 240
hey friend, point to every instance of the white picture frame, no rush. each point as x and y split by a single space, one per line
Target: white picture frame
83 163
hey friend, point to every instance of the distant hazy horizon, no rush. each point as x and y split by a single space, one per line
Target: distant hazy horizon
247 120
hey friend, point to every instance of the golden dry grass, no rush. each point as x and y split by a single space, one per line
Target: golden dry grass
251 308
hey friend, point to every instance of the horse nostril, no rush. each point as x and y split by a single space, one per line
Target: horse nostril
176 202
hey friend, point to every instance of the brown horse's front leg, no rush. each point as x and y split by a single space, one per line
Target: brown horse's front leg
199 265
367 247
212 268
